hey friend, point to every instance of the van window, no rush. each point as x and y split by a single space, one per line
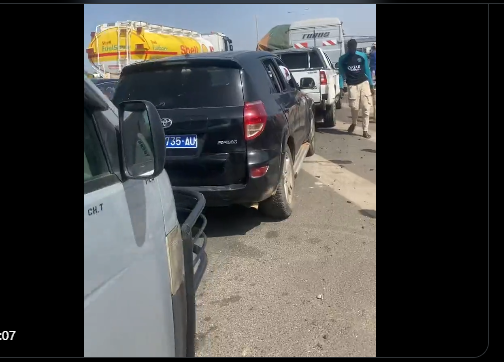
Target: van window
95 164
183 86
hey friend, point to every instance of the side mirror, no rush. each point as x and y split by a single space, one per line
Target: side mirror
335 66
307 83
230 47
142 140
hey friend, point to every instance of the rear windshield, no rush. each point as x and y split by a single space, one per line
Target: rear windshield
300 60
183 86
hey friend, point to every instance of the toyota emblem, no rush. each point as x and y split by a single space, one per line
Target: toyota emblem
166 122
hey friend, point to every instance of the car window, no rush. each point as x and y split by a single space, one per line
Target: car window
183 86
291 82
298 60
95 164
315 60
107 88
274 75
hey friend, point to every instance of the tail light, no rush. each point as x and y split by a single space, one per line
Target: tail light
254 119
323 78
259 171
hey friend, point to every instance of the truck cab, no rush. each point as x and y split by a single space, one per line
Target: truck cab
144 246
220 41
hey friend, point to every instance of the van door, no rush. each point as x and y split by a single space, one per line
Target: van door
127 297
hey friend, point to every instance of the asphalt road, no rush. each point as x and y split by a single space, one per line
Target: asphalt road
305 286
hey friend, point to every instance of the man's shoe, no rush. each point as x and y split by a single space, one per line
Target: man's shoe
351 128
366 135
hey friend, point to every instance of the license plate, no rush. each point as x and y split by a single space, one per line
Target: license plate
187 141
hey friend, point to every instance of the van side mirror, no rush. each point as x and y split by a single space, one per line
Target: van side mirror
230 47
307 83
142 140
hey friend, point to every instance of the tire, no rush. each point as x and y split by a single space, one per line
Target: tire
311 137
279 206
330 116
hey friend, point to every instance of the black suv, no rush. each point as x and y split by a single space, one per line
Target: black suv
236 129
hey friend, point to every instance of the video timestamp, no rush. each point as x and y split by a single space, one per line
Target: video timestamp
7 335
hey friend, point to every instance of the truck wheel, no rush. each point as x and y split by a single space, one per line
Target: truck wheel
311 137
330 116
279 206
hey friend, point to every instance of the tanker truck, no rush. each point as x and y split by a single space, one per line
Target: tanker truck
116 45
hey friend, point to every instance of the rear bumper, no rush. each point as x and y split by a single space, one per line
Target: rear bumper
255 190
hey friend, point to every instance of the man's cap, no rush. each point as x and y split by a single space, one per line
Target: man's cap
352 42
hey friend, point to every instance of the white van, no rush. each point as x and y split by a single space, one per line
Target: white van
326 33
141 267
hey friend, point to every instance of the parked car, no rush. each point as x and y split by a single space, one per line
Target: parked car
107 86
140 252
235 129
318 77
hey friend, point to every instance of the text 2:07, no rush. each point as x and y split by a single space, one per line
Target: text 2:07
7 335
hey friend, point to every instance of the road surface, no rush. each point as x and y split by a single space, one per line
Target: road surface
305 286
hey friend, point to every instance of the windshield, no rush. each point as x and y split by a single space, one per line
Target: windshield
183 86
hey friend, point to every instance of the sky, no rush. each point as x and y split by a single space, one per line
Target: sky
237 21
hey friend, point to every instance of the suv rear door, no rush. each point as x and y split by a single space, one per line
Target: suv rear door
201 105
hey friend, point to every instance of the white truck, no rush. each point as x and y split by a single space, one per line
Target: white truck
323 32
317 77
220 42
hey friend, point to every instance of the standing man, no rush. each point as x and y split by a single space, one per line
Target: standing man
372 61
354 69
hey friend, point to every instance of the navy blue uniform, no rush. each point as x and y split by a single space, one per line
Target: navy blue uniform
354 69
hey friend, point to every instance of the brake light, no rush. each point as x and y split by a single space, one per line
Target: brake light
323 78
254 119
259 171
